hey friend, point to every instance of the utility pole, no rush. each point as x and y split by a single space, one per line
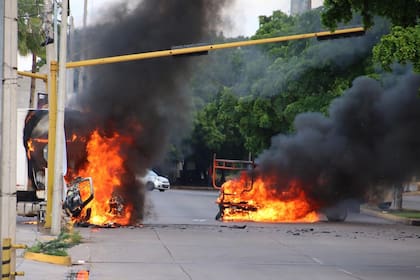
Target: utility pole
70 72
60 138
83 50
49 31
8 119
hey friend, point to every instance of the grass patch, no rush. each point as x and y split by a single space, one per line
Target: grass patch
57 246
411 214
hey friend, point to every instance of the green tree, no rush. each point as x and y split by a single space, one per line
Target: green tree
259 119
30 36
216 126
278 24
402 13
401 45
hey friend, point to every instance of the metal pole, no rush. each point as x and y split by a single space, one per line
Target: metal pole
51 57
199 49
50 48
70 72
82 50
55 21
43 77
60 140
8 119
52 116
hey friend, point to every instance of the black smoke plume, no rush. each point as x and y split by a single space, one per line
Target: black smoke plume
143 99
370 139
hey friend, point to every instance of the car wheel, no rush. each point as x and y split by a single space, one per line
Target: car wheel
336 214
150 186
161 190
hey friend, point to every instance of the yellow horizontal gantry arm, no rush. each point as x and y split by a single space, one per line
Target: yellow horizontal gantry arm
43 77
206 48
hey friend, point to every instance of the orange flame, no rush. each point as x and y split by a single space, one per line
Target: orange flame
244 200
32 143
30 148
105 167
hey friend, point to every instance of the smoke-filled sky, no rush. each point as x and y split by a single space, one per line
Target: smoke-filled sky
241 16
243 13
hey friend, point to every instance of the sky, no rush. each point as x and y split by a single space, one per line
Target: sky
243 15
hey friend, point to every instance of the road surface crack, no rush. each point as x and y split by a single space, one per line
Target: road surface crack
171 255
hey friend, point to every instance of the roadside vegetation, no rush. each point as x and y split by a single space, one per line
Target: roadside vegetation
57 246
406 213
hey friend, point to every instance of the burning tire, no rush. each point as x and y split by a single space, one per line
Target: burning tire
336 214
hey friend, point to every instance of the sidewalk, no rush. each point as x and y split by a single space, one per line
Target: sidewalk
411 201
29 233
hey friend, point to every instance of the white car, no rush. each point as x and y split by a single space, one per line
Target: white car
154 181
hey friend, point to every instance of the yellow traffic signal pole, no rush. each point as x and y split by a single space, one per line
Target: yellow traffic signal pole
43 77
206 48
147 55
52 116
52 120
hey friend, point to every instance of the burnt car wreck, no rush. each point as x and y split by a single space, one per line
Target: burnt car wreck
254 199
79 194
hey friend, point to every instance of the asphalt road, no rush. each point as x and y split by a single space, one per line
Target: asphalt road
181 207
199 207
181 240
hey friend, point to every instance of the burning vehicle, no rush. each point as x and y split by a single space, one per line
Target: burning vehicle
75 200
95 178
252 197
249 196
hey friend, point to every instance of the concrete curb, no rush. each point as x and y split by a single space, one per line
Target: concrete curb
60 260
389 216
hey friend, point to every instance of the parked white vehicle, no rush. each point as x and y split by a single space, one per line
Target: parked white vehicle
154 181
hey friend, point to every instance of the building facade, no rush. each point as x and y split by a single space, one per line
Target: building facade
299 6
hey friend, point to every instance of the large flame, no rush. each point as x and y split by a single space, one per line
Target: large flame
247 199
105 166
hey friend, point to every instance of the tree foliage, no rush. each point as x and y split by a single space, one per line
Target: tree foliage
401 45
216 125
30 31
31 35
402 13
